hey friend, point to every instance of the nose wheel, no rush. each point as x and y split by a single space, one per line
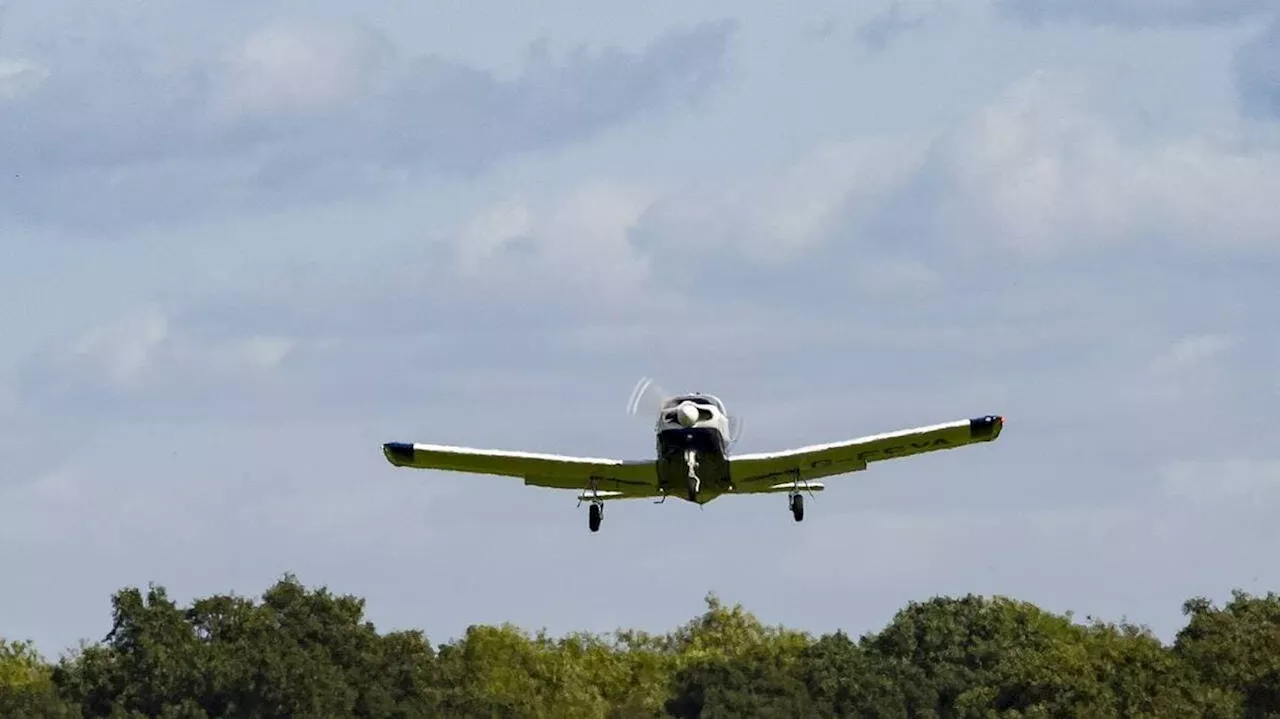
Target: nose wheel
595 513
797 506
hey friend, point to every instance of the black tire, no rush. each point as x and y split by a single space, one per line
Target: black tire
594 514
797 507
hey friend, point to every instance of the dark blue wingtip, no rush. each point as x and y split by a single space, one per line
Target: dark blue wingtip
986 428
398 453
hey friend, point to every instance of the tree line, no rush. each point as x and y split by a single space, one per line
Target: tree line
304 653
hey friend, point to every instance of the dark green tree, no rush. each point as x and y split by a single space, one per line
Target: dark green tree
1236 648
971 657
729 664
303 653
844 680
299 653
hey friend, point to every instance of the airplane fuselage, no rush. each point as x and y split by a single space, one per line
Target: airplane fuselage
692 446
709 474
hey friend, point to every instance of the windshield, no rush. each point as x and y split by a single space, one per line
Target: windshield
703 399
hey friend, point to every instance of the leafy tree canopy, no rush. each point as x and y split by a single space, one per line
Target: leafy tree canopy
306 652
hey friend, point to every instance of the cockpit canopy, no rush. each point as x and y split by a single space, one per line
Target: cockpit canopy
695 398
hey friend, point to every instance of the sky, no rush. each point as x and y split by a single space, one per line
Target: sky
245 245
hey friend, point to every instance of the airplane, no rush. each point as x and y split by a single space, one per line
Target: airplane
693 437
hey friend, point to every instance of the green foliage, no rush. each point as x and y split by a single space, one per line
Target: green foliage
728 664
1236 648
26 685
21 666
303 653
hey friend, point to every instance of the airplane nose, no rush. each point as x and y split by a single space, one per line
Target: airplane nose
687 415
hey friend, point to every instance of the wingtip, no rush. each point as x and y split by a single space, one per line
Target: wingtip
987 427
398 453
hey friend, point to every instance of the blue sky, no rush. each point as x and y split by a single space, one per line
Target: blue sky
243 247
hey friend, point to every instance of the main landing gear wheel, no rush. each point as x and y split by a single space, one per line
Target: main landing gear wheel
595 513
797 507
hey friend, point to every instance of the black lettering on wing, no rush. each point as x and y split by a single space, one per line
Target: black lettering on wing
896 450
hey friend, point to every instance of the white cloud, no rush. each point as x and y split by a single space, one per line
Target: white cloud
489 232
579 242
263 352
549 262
587 235
782 215
1040 171
122 350
297 113
1193 367
1017 167
18 77
145 356
809 200
57 491
301 71
1193 352
1044 172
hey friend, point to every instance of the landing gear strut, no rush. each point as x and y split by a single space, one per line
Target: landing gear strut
691 460
797 506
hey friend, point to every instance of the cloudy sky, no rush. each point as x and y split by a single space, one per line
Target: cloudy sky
245 245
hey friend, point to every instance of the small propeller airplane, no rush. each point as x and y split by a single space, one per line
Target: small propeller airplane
694 436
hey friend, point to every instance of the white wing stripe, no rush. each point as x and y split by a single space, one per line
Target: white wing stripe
845 443
404 449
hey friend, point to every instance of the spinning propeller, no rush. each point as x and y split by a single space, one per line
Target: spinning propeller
647 398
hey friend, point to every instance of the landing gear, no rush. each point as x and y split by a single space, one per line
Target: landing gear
595 513
691 461
797 506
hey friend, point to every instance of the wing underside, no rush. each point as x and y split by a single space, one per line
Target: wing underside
626 477
767 471
763 472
